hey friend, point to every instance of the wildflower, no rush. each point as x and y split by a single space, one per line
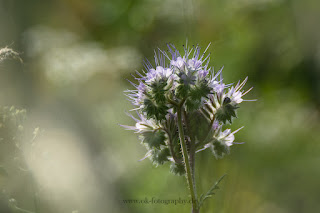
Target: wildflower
142 125
183 80
178 63
182 107
223 104
158 73
226 137
235 94
221 143
203 73
194 64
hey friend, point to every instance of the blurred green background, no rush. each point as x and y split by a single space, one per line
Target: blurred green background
77 55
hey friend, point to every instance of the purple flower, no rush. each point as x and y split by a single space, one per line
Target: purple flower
227 137
235 94
194 64
183 83
142 124
215 125
151 75
158 73
217 87
141 90
202 74
178 63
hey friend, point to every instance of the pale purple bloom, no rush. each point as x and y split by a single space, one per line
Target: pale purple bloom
183 81
141 90
142 124
235 94
215 125
202 73
137 96
179 63
158 73
227 137
164 72
217 87
194 64
142 87
151 75
216 100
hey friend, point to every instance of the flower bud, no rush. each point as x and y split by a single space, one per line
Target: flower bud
227 111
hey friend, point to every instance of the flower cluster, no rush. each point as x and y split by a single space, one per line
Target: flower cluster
183 81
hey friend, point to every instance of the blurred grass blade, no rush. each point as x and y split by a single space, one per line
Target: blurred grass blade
211 191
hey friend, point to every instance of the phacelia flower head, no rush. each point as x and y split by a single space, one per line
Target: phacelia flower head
220 144
185 81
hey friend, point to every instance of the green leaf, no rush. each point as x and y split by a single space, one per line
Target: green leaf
153 139
153 110
200 90
183 90
192 104
197 92
158 91
177 169
215 186
159 157
226 112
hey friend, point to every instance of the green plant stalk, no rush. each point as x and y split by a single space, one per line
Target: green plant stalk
186 162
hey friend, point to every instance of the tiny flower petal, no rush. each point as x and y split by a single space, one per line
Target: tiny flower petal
179 63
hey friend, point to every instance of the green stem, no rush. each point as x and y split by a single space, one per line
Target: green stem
186 162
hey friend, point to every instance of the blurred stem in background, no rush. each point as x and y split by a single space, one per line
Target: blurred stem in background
35 194
17 117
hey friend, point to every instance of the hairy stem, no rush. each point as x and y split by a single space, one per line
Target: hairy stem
186 162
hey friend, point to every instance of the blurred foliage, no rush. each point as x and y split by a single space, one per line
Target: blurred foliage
77 56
